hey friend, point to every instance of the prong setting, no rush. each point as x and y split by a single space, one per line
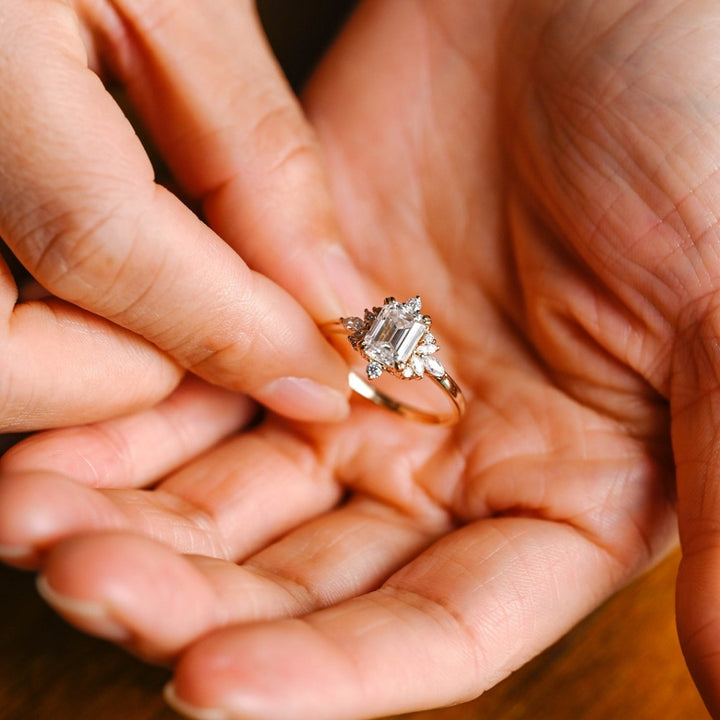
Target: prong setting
396 339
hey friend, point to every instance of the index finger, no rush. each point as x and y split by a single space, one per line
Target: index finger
81 210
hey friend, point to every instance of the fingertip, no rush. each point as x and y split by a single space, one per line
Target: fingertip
305 399
92 617
698 621
276 670
192 711
43 452
19 556
38 509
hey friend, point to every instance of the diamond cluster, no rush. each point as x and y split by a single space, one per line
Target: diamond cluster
395 338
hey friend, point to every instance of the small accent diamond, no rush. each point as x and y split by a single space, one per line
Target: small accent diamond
434 366
427 349
413 305
374 370
352 324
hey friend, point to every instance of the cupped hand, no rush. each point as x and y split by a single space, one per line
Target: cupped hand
136 288
544 175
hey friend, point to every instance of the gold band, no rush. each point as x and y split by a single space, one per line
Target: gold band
362 387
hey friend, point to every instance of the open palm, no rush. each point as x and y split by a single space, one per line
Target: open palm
542 175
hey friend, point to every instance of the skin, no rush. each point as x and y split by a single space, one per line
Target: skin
544 173
133 285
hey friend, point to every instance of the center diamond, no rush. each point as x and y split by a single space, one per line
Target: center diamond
393 336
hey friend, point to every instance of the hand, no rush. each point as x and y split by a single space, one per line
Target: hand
545 177
80 208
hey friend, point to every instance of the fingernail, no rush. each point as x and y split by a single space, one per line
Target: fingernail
304 399
86 614
15 552
191 711
23 558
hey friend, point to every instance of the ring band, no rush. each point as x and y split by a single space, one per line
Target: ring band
396 339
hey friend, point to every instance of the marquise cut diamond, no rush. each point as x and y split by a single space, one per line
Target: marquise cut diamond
418 365
427 349
434 366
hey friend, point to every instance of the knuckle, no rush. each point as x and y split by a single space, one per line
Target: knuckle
283 137
224 358
74 255
82 254
229 355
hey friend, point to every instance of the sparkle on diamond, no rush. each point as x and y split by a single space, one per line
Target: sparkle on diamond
394 335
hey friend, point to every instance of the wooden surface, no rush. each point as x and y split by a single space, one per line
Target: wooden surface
622 663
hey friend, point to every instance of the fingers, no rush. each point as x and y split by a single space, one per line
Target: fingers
120 586
695 407
227 503
80 209
62 365
217 104
452 623
137 449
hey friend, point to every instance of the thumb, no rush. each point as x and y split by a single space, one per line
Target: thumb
695 406
80 208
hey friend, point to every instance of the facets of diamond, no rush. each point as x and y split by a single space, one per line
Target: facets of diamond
408 372
393 336
433 366
374 370
352 324
426 349
418 365
381 352
428 338
413 305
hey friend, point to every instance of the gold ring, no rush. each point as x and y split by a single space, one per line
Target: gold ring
396 339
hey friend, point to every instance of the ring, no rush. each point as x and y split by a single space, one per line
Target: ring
396 339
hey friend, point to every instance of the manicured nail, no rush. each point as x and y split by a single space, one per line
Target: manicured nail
304 399
191 711
90 616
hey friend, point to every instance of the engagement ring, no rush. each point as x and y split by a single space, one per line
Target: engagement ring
396 339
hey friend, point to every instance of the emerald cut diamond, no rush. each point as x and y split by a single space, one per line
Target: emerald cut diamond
395 338
394 335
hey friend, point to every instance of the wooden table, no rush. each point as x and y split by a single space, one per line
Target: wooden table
622 663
